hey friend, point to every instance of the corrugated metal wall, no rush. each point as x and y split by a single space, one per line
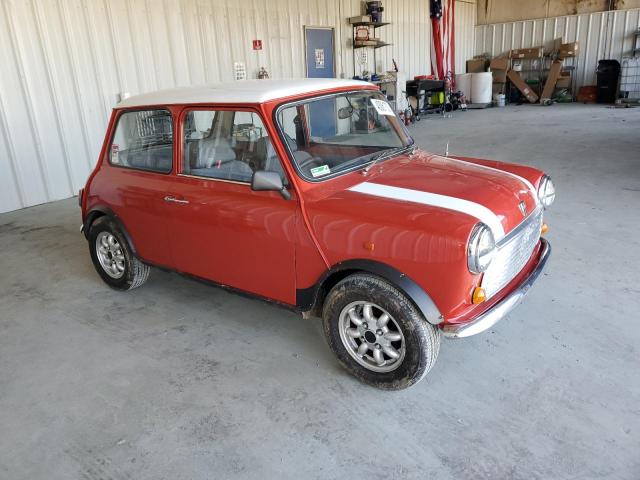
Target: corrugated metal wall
603 35
64 63
465 32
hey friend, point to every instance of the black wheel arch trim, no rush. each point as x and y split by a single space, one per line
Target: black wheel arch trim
307 299
101 210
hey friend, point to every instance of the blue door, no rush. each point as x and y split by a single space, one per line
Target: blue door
320 64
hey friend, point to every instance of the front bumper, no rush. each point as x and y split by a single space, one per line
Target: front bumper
496 313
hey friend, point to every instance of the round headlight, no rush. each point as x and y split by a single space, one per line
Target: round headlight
546 192
482 246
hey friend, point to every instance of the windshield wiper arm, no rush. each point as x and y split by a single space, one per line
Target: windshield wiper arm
386 152
374 159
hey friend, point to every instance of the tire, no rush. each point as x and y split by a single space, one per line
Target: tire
418 347
129 272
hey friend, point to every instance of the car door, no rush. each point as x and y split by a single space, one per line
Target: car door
221 230
140 158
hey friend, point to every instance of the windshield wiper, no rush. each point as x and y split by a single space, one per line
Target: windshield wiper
387 152
374 159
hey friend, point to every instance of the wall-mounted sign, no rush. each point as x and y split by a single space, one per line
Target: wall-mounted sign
319 57
257 44
239 71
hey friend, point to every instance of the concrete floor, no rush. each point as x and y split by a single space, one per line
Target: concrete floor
178 380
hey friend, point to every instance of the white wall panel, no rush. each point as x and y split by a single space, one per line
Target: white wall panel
465 33
602 35
65 62
409 34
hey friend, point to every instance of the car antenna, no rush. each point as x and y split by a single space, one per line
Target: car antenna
446 150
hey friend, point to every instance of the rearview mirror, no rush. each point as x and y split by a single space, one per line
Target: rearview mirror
264 180
345 112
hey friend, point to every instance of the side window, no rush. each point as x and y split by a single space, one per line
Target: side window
229 145
143 140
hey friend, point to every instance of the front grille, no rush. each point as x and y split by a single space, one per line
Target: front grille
512 253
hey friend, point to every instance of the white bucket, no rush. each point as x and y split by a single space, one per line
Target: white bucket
500 99
481 87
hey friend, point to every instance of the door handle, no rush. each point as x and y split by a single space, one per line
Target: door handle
175 200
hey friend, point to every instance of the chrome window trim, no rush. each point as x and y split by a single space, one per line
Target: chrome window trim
213 179
215 107
123 111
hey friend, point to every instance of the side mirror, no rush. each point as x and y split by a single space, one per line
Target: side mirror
264 180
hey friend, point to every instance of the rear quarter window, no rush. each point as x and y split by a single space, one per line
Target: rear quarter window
143 140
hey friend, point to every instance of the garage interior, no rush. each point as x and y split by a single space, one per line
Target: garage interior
180 380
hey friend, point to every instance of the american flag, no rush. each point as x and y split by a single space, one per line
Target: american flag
443 50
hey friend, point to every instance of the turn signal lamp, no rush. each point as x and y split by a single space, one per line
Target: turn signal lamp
544 229
479 295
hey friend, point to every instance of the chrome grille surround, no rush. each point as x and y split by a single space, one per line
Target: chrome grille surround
512 253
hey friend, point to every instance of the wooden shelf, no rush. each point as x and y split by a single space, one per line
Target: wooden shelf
369 44
370 24
374 44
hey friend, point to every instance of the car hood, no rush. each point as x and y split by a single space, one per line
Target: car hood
497 198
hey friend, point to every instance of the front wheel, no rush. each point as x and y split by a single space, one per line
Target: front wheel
112 257
378 334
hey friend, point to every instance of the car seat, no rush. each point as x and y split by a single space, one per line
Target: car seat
214 157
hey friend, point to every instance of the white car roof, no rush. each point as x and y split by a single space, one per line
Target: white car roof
241 91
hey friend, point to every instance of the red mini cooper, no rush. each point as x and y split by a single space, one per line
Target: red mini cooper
311 194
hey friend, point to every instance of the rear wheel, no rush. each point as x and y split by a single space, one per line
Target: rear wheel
378 334
112 257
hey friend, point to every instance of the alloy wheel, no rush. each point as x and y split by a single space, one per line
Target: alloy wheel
110 254
371 336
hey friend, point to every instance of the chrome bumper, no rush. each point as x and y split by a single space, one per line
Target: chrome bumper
489 318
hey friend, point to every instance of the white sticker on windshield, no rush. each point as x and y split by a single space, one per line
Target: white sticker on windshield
382 107
115 150
319 171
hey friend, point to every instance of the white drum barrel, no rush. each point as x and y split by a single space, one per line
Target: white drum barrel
481 87
463 83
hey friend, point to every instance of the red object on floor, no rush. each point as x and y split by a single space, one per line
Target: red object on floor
588 94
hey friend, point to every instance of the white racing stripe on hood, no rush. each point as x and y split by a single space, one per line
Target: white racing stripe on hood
476 210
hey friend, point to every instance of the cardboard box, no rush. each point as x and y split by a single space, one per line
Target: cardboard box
499 64
564 80
521 85
499 76
550 84
568 50
498 88
535 52
477 65
499 67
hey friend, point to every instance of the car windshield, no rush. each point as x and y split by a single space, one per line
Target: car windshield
332 135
